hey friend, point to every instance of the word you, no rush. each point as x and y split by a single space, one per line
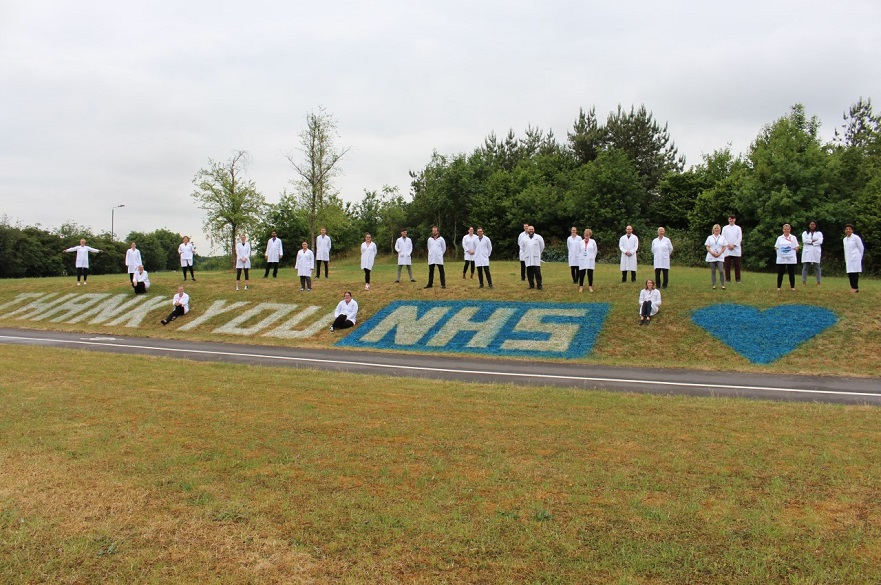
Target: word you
266 319
484 327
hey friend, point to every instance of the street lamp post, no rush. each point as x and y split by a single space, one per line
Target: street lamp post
112 210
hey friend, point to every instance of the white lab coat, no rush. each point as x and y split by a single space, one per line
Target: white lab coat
523 235
630 244
469 247
141 277
812 246
404 248
243 255
82 255
368 255
133 260
717 244
733 235
186 252
274 250
531 249
184 299
482 251
305 262
574 245
654 296
587 254
853 253
436 248
322 248
786 249
350 310
661 250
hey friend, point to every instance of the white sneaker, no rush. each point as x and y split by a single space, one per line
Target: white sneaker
237 287
77 283
246 287
366 287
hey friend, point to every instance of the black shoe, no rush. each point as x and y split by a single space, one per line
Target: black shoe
481 286
531 287
428 286
490 286
540 287
443 286
397 282
412 280
164 322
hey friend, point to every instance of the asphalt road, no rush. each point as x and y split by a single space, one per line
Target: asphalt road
568 375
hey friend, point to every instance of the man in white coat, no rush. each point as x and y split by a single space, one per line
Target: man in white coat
574 244
305 264
532 248
181 304
436 249
483 250
662 249
628 244
322 253
140 281
187 251
243 260
469 251
368 256
274 254
404 248
133 260
523 235
853 257
82 260
811 251
734 236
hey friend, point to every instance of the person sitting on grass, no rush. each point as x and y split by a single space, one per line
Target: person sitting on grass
649 302
181 303
345 313
140 280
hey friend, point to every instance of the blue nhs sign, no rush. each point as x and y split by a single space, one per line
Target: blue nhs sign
483 327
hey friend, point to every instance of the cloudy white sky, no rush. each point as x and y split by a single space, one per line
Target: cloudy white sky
120 103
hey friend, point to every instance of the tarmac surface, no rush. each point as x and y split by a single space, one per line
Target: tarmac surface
782 387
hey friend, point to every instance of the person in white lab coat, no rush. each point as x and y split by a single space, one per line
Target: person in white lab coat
628 244
140 281
786 246
181 304
662 250
346 313
717 247
734 236
649 302
437 246
323 244
305 265
274 254
573 247
368 256
133 259
243 260
82 260
811 252
531 249
404 248
523 234
187 251
483 250
587 260
853 257
468 252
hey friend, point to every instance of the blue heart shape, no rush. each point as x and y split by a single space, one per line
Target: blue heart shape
764 336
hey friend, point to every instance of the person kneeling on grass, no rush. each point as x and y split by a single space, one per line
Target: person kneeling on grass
345 313
649 302
140 280
181 303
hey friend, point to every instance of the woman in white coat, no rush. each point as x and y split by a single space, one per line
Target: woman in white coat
717 248
132 259
368 256
573 247
811 251
243 260
786 246
140 281
82 260
587 257
305 265
853 257
649 302
186 251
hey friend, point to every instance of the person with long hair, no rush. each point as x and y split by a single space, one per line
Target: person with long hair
649 302
853 257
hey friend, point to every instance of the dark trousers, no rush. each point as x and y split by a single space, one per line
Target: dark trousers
341 322
573 270
440 271
366 276
465 269
274 267
632 275
190 268
140 288
306 282
589 272
646 310
522 270
533 275
735 260
659 274
239 273
84 272
177 312
854 278
318 268
489 278
790 268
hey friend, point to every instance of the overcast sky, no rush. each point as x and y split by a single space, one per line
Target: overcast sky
120 103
